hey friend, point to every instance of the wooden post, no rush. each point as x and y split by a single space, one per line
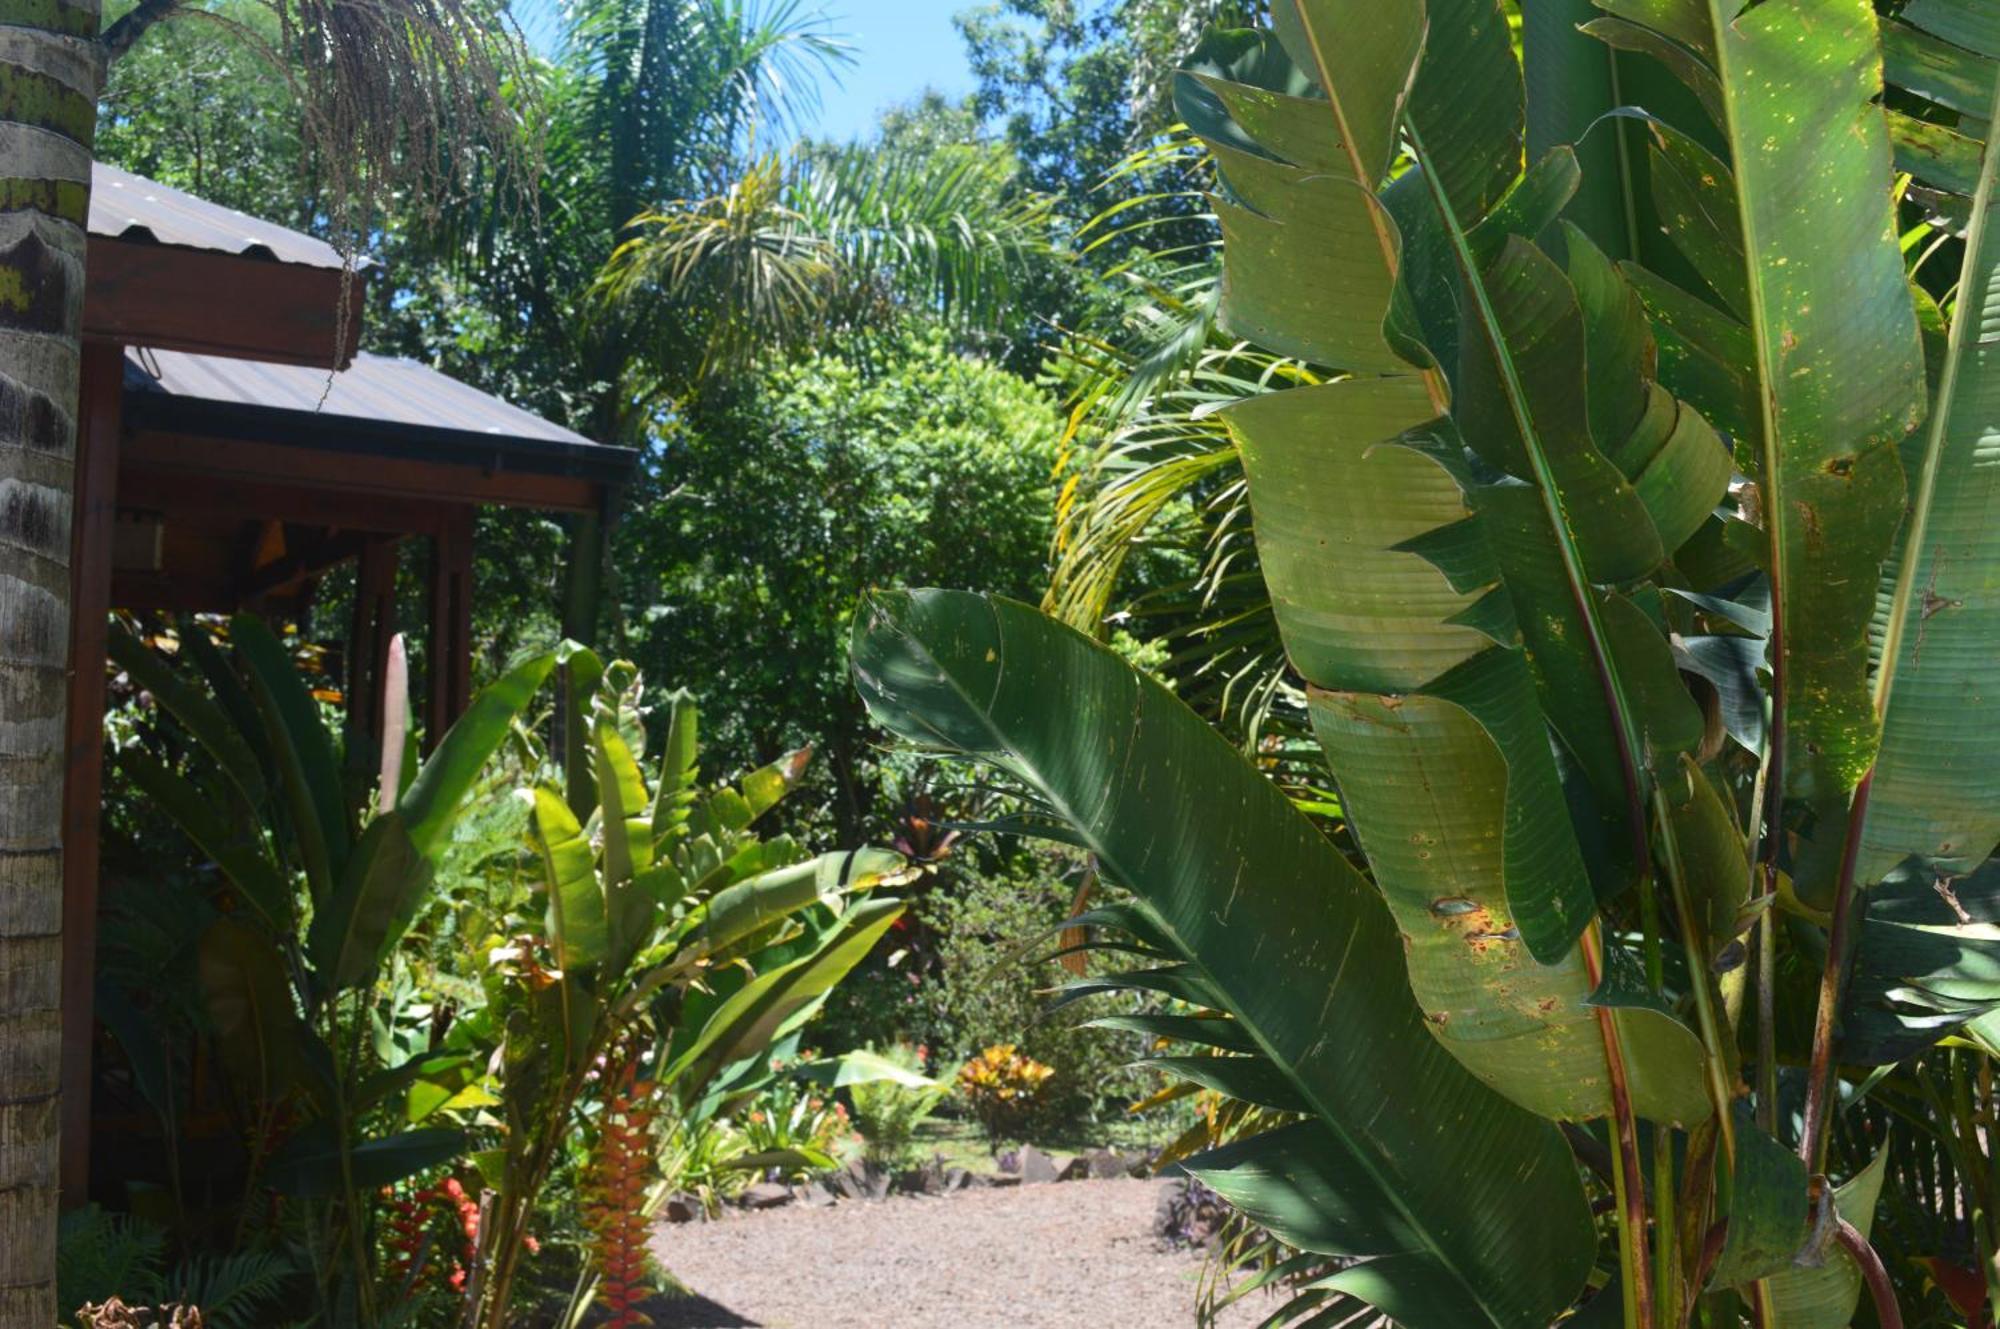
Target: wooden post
373 624
94 514
583 583
450 662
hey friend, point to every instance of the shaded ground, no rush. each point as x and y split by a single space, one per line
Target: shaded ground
1065 1256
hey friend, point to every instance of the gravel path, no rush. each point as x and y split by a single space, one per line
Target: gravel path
1079 1255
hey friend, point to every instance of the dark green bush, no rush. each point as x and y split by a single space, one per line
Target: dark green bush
967 972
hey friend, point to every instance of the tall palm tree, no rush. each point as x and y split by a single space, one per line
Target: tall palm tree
48 107
382 86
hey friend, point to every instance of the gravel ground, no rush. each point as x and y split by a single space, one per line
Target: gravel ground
1069 1256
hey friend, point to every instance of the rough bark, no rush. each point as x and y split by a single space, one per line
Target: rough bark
50 70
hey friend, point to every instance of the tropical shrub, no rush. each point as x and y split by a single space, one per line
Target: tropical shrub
993 921
112 1270
1619 738
670 953
789 493
888 1111
792 1127
1002 1088
318 870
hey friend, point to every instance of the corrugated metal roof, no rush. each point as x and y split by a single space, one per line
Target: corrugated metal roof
380 389
125 205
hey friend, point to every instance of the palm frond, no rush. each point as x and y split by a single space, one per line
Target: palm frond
792 249
101 1255
234 1291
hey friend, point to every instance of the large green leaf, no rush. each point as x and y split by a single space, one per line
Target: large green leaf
381 886
248 1002
1826 1297
1294 944
373 905
1391 621
1833 343
310 1164
626 819
1604 673
1421 782
1928 963
1395 571
748 907
1386 622
202 716
303 749
1936 791
1767 1209
746 1023
1571 82
1301 180
576 911
238 850
432 804
675 792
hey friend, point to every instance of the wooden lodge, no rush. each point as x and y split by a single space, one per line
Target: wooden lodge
233 446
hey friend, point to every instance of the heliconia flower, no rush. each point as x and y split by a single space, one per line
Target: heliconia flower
615 1183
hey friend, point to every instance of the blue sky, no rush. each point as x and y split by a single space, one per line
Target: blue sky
900 47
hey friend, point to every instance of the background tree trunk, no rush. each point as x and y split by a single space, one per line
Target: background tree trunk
50 69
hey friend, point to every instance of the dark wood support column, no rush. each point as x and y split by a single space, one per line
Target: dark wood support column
583 592
94 511
374 623
450 645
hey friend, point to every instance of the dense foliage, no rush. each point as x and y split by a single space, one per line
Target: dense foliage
771 510
1542 549
1527 602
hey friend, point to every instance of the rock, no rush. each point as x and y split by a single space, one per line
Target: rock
1000 1179
1077 1169
1037 1167
813 1195
861 1180
956 1179
925 1180
681 1208
1106 1164
766 1195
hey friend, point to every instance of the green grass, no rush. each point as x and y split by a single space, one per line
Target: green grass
960 1142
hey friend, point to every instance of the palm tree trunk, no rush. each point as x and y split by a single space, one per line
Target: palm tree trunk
50 69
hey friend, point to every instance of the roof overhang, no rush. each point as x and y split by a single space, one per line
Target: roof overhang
169 270
141 293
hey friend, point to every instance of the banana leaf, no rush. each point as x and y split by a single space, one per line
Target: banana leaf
1398 571
1936 791
303 749
383 880
1829 339
1285 936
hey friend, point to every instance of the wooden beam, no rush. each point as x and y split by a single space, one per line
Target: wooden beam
386 477
94 512
143 294
168 491
174 595
450 655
